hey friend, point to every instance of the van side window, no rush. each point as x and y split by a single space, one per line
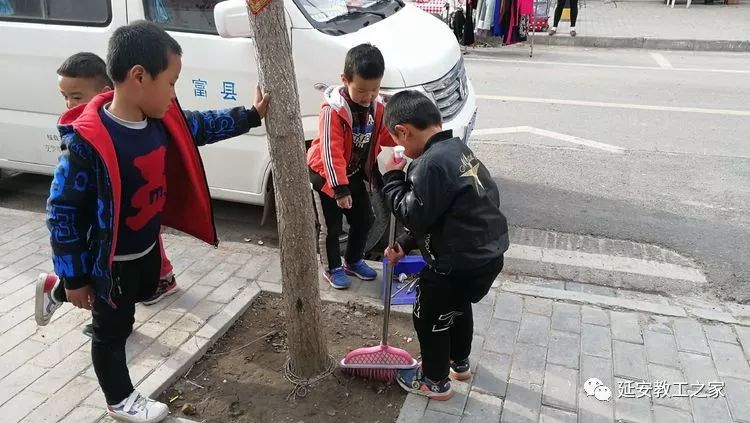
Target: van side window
62 12
182 15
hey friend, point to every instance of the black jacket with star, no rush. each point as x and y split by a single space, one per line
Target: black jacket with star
449 205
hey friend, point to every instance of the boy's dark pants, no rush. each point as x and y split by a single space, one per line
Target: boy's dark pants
330 219
133 281
442 314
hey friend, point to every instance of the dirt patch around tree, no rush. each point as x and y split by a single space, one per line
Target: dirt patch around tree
241 378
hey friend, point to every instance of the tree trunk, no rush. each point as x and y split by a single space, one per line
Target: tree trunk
299 267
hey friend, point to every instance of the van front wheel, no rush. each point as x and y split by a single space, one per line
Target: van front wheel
377 238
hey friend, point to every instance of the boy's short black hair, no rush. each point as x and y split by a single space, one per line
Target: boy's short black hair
88 66
140 43
411 107
364 60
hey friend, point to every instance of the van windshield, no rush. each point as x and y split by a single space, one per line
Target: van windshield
345 16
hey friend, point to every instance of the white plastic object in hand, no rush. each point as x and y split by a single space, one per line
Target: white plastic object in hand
398 152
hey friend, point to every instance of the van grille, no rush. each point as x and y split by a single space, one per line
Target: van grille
451 91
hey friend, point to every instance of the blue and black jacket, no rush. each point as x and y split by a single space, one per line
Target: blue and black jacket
84 205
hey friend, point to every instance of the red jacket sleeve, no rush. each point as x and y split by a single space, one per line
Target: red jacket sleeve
331 133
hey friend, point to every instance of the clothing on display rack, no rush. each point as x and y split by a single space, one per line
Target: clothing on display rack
508 19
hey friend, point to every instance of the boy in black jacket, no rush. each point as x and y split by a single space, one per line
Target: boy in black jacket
449 205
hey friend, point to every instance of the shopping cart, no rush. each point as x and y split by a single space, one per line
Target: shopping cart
539 21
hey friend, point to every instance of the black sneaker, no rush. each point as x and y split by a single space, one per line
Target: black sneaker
413 381
461 370
165 288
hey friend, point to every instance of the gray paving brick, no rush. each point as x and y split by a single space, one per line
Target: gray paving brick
536 305
63 402
690 337
625 327
455 405
18 380
413 409
21 405
482 317
523 403
566 317
738 395
501 336
481 408
597 367
596 340
591 410
553 415
492 374
698 368
438 417
629 408
477 350
508 307
594 316
659 324
489 299
675 390
560 387
253 266
710 410
630 360
670 415
529 363
720 332
19 355
61 374
729 360
564 349
661 348
272 273
534 329
743 333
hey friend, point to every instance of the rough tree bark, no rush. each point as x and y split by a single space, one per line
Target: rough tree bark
294 208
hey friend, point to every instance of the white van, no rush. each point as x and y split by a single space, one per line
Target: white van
36 36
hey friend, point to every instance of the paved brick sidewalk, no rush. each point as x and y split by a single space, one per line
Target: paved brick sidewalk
533 356
46 373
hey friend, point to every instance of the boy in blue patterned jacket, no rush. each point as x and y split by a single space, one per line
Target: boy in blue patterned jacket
130 164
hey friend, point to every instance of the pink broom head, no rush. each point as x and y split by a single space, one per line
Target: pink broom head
381 362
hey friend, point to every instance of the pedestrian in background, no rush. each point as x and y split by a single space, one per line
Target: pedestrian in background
558 16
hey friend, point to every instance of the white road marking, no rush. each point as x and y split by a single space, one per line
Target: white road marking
549 134
724 112
605 262
661 60
604 66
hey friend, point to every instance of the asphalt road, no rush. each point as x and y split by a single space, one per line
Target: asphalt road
649 147
626 144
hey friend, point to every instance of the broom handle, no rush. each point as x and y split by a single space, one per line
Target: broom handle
388 280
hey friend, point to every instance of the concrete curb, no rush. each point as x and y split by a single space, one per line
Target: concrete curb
542 39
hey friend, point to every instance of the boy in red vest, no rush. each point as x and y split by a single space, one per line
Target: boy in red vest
130 164
82 77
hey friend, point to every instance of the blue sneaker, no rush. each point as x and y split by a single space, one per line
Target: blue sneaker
361 270
337 278
413 381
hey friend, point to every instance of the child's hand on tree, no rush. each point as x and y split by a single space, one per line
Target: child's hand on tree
394 253
261 102
81 297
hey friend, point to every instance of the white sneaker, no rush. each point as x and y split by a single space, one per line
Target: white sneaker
45 303
138 409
